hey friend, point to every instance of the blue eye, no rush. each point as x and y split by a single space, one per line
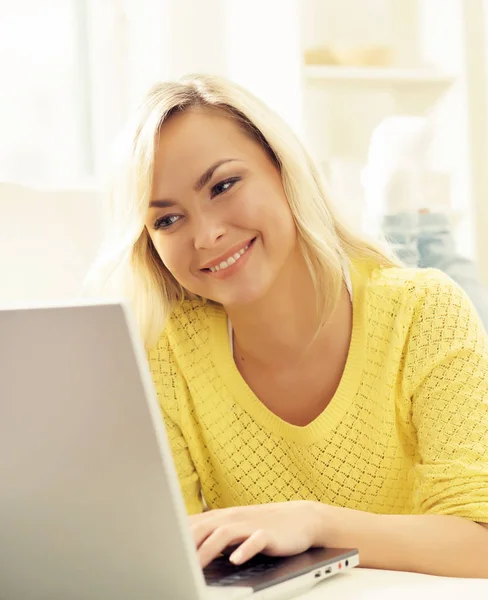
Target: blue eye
223 186
166 222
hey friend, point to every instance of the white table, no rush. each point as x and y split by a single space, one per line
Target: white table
372 584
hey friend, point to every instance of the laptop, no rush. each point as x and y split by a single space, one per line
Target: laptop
90 503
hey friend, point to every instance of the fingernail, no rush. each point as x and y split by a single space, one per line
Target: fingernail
236 557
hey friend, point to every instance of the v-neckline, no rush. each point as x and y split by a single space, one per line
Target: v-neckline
328 419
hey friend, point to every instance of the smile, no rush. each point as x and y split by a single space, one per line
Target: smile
231 260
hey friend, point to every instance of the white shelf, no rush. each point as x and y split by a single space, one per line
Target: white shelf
380 77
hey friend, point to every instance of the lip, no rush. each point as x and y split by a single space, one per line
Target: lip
237 267
225 256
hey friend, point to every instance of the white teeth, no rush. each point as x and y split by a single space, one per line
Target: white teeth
230 261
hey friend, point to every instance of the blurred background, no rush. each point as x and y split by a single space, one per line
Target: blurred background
373 87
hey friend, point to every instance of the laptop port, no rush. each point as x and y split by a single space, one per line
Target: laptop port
328 571
317 574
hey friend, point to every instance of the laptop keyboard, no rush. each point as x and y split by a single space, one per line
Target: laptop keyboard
222 572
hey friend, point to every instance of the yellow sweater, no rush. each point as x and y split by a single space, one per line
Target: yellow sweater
405 433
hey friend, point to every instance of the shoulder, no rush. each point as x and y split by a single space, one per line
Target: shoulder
414 283
426 304
188 327
179 348
419 290
191 322
439 315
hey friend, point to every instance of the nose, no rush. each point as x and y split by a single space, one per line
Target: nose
208 230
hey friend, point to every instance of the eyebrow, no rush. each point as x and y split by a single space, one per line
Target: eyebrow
202 182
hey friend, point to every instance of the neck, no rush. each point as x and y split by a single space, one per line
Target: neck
281 327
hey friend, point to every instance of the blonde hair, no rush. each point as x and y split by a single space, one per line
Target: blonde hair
130 267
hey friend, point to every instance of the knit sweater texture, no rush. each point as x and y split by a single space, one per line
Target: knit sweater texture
406 432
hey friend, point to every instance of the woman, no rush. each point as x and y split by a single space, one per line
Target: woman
315 392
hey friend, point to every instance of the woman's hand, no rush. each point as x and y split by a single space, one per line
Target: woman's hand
277 529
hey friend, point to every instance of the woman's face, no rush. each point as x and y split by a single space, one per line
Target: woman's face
218 217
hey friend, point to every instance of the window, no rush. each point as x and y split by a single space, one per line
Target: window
44 113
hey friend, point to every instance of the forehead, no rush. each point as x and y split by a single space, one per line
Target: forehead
197 137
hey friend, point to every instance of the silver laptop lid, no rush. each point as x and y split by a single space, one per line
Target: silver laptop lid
90 505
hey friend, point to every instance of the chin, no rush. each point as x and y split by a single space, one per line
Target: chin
242 297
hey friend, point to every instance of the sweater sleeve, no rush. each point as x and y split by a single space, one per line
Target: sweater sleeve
171 390
446 376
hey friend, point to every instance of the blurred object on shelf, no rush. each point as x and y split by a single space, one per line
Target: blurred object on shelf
401 142
399 176
350 56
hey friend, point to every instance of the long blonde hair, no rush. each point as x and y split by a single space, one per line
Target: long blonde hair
129 265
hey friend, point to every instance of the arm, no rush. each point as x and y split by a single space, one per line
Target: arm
432 544
171 390
187 475
445 378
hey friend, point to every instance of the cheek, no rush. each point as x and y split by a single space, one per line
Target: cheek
262 207
167 250
275 215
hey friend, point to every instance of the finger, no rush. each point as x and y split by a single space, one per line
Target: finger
220 538
202 531
225 515
253 545
204 517
203 525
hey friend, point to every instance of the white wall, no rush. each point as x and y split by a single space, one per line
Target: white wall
48 240
264 53
138 42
